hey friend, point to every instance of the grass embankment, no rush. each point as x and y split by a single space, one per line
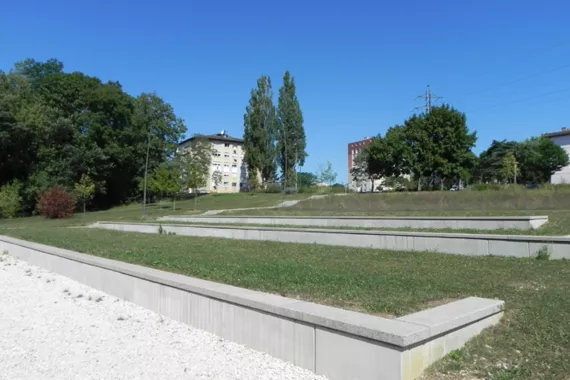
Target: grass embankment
532 342
552 201
133 212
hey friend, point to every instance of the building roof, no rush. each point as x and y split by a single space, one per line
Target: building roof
563 132
222 136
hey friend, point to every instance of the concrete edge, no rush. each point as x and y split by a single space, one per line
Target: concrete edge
523 238
320 217
397 332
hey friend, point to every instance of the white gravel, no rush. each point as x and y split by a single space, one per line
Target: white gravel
52 327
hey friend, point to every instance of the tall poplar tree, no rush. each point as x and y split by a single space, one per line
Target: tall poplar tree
260 128
291 141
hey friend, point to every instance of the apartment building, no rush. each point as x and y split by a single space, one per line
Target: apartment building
227 158
562 139
354 149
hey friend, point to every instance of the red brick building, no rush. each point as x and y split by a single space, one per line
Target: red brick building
353 150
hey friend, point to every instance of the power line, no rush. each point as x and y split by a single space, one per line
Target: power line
533 75
521 100
429 98
535 103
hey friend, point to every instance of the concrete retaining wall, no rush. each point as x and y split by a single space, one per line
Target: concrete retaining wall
455 223
461 244
339 344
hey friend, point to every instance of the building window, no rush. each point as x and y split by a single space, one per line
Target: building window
227 145
226 184
235 151
234 184
226 156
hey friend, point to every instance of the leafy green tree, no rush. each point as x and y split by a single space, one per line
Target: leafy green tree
327 174
85 190
166 181
260 128
510 168
10 199
291 140
491 160
307 179
217 178
195 164
539 158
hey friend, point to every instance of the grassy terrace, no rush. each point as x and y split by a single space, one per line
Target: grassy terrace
532 341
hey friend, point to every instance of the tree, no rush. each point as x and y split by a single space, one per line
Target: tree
260 128
491 160
327 174
56 125
217 178
10 199
166 181
510 168
307 179
195 164
291 140
156 119
85 190
539 158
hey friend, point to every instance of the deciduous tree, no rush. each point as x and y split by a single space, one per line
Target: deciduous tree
291 140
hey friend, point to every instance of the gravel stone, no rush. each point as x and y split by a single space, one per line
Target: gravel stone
56 328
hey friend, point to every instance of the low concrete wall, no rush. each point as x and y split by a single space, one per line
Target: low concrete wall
461 244
339 344
456 223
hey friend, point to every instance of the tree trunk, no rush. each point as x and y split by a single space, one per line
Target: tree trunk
195 198
174 203
419 183
84 208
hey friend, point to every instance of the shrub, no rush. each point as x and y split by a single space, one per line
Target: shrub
273 188
10 199
56 203
486 187
543 254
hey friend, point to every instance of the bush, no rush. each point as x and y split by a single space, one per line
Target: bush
56 203
486 187
10 199
273 188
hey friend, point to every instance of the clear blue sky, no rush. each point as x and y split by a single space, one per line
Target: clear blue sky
358 65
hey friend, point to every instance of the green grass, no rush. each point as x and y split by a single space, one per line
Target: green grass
532 341
187 207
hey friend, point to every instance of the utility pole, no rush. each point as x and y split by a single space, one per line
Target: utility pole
428 97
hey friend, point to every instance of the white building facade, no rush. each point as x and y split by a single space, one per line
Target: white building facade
562 139
227 158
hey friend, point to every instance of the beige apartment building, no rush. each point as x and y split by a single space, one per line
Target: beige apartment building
227 158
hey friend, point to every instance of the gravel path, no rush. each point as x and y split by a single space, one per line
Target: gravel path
52 327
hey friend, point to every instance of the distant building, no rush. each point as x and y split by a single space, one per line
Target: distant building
561 139
227 158
354 149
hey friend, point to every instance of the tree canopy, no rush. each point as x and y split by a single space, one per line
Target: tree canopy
56 127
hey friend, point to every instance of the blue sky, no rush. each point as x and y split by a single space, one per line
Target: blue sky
358 65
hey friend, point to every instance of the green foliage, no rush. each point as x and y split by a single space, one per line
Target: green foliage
543 253
327 174
56 125
166 181
433 147
291 140
272 188
10 199
486 187
538 158
510 169
260 128
217 178
194 163
85 190
307 179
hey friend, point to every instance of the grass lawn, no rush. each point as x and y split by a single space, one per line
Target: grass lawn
532 341
133 212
